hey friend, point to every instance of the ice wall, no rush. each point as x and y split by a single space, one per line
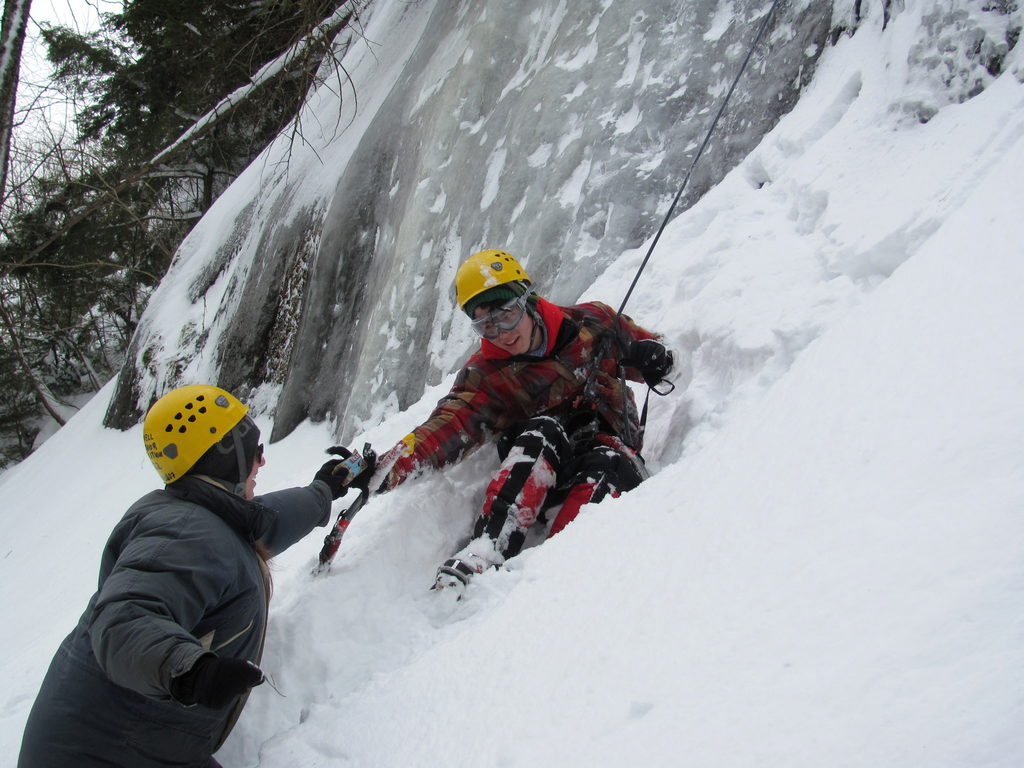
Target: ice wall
319 285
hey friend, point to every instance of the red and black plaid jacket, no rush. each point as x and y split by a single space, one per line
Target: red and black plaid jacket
494 391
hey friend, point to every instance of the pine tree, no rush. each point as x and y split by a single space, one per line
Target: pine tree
92 232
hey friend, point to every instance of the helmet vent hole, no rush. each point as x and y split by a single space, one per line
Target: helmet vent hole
169 428
182 429
191 419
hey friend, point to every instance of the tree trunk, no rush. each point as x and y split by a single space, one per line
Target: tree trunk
12 38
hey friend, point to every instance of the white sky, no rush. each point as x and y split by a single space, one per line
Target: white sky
825 569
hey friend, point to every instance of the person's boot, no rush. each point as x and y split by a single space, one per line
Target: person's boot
457 571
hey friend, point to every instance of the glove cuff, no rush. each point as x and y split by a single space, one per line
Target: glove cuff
183 687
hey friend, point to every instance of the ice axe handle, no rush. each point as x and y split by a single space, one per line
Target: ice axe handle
333 539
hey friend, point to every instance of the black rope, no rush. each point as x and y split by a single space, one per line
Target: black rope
618 315
696 157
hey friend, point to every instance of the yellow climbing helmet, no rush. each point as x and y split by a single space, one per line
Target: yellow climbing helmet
483 271
185 423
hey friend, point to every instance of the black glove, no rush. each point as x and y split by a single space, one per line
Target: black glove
651 358
215 682
337 474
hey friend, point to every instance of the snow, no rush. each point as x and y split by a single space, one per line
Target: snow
825 568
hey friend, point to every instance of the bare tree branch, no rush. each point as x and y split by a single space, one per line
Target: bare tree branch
38 388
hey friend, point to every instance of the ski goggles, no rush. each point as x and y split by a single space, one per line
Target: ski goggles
500 319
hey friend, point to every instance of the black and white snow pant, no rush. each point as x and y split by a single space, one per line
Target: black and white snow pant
545 465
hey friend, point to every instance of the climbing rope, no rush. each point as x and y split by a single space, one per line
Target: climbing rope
700 151
602 350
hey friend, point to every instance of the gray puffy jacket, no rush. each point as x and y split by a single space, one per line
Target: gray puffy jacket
179 576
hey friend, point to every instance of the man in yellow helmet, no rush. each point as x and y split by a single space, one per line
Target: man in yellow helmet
163 658
548 384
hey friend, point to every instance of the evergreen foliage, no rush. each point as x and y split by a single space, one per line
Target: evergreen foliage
90 230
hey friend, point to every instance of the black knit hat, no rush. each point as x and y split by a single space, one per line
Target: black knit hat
221 460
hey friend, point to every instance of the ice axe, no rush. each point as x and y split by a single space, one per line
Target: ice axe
356 464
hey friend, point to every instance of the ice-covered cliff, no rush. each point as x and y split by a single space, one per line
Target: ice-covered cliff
559 131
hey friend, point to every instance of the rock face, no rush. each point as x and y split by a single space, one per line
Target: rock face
319 285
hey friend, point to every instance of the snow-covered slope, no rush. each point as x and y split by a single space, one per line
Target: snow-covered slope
825 569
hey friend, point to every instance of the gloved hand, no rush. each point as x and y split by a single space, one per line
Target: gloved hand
215 682
337 474
399 463
362 480
651 358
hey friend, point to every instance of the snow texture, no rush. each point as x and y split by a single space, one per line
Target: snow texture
825 568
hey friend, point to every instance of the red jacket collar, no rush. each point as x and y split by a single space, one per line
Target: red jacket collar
550 314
